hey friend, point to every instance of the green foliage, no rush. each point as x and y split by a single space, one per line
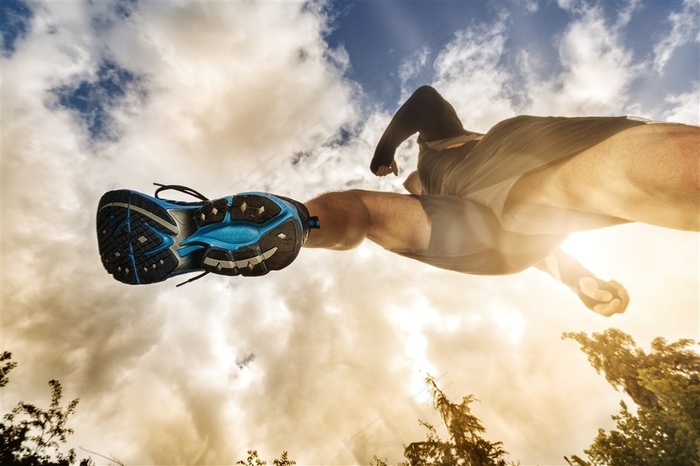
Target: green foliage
284 460
663 430
380 462
253 460
32 436
465 446
576 461
6 367
615 354
665 384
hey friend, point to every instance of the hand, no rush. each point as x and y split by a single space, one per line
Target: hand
383 170
605 298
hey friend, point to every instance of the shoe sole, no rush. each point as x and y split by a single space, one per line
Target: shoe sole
144 240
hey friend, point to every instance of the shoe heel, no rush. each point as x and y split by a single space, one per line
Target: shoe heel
248 261
134 235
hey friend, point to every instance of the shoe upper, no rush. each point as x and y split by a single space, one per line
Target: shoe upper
144 239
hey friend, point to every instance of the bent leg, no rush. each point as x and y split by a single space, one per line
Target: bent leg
394 221
649 173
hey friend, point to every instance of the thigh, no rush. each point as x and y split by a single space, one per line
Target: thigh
648 173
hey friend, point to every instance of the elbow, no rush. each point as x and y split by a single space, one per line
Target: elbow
425 92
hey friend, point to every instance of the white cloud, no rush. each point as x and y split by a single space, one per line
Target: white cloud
531 6
625 13
573 6
469 73
233 89
684 30
685 107
597 70
597 64
413 65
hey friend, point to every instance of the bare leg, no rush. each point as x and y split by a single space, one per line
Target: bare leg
648 173
394 221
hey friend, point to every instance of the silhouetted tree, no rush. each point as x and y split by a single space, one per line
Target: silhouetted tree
32 436
664 430
665 384
7 366
465 447
253 460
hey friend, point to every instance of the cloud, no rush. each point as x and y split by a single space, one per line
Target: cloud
684 30
531 6
597 70
469 73
413 65
684 107
226 92
598 66
15 17
323 359
488 77
626 12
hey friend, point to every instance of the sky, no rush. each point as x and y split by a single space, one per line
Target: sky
325 359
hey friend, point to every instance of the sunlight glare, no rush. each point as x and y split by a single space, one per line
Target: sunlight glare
510 322
412 322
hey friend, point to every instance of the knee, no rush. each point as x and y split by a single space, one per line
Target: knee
357 218
344 219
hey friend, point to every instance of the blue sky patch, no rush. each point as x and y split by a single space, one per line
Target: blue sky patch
93 100
15 22
380 36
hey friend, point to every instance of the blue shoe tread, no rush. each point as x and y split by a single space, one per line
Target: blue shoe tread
146 240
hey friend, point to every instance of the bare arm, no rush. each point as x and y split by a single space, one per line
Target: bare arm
606 298
426 112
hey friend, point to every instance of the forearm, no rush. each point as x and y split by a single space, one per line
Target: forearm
564 268
425 112
605 298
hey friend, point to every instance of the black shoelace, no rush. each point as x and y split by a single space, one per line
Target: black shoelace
190 192
179 188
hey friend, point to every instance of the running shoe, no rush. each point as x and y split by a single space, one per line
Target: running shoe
144 239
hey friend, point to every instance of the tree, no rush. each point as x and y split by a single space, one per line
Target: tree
6 367
665 384
32 436
663 430
465 446
253 460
